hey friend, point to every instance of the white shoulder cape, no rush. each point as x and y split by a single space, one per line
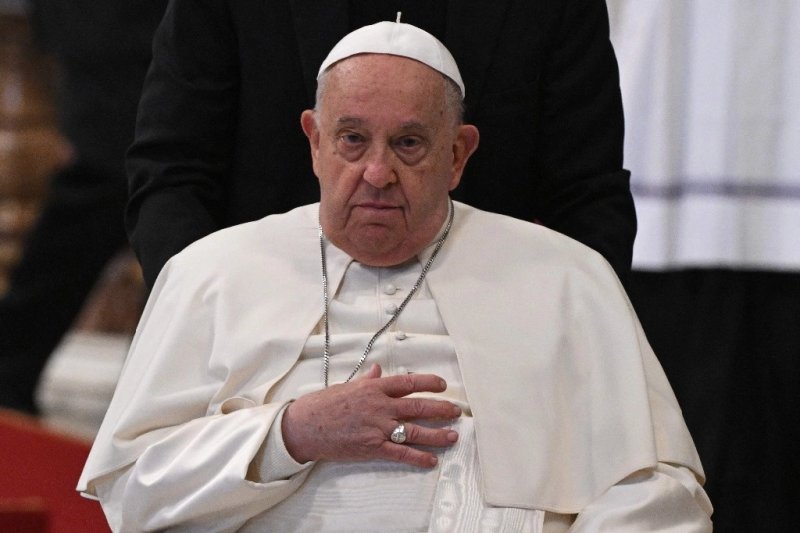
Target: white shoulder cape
567 395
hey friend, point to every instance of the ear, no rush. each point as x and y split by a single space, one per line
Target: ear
309 125
466 142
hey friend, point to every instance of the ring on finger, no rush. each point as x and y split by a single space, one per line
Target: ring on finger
398 435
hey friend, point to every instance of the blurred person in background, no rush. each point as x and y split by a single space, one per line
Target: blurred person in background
217 143
712 98
102 50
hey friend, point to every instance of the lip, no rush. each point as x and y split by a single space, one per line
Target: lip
378 206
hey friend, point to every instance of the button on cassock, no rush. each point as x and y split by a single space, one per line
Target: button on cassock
389 289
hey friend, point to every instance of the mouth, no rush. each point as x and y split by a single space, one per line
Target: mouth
377 206
380 213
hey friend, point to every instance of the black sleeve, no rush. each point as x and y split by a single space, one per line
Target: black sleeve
185 133
584 191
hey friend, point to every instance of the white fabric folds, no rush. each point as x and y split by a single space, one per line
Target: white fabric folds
567 397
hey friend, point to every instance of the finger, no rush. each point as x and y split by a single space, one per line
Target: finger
405 384
374 371
424 436
424 408
408 455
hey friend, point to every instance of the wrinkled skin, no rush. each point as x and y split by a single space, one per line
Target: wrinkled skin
387 151
353 421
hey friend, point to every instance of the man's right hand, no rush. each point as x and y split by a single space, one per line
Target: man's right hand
354 421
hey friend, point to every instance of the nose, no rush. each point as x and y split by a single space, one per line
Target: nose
378 171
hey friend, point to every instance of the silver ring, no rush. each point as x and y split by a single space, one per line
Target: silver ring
399 434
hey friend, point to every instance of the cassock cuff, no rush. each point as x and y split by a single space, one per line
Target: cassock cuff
273 461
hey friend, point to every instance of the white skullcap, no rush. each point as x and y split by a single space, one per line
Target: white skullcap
397 39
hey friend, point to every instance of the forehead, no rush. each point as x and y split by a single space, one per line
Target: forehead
375 85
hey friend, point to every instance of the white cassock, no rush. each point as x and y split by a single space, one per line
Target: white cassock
566 408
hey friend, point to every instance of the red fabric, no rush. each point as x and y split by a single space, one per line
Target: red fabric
23 515
39 469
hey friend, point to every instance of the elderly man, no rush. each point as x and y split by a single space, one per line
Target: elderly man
387 359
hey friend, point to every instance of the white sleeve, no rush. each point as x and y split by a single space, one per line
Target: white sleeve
273 461
180 438
665 498
196 477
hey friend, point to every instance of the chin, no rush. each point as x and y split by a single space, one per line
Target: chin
376 246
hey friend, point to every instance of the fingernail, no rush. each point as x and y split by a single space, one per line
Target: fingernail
434 460
456 411
452 436
442 383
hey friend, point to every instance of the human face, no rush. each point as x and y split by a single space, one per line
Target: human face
387 151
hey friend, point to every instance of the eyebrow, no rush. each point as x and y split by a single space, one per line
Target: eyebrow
349 121
405 126
414 125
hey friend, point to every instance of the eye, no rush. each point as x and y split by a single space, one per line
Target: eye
411 149
350 144
351 139
408 142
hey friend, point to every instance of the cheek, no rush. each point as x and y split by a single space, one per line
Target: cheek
444 159
425 193
338 184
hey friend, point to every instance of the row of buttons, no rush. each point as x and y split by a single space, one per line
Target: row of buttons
390 289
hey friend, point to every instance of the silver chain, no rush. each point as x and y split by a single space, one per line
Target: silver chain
326 356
